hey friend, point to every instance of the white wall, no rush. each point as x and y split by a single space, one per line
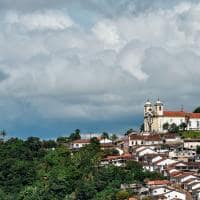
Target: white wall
191 144
174 194
159 191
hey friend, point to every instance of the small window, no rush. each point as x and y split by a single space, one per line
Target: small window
159 108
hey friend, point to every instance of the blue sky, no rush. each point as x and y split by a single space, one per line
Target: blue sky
92 64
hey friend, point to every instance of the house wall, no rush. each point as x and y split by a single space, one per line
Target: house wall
195 186
175 195
191 144
146 151
159 191
78 145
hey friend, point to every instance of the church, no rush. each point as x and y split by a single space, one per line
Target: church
155 117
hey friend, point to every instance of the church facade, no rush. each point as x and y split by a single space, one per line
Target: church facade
155 117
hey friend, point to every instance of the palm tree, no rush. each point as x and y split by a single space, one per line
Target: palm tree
104 135
113 137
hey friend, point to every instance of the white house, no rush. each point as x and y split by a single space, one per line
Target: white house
183 155
139 139
145 151
169 192
77 144
173 194
161 164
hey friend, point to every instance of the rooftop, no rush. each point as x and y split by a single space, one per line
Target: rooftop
181 114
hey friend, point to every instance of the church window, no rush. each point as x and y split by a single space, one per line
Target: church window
159 108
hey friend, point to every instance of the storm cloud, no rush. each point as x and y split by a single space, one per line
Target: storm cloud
95 62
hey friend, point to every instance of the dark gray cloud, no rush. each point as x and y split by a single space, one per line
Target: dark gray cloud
96 61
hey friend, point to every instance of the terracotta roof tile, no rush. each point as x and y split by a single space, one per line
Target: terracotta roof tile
124 156
81 141
181 114
158 182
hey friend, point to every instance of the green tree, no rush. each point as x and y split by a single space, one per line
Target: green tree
166 126
75 135
142 127
174 128
113 137
62 140
122 195
31 193
110 152
49 144
108 193
105 135
183 126
85 191
129 131
197 110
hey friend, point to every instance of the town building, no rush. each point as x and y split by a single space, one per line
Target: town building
155 116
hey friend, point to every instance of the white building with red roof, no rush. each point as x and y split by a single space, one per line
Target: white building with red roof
155 117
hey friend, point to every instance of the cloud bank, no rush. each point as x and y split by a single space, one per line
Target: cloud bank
75 62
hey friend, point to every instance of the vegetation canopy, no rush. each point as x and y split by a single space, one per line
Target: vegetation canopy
43 170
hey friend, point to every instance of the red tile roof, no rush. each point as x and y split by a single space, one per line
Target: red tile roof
173 174
81 141
158 182
124 156
145 137
184 174
180 114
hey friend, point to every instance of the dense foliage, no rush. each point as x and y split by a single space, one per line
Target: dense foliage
197 110
48 170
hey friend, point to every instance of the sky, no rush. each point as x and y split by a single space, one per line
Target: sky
92 64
